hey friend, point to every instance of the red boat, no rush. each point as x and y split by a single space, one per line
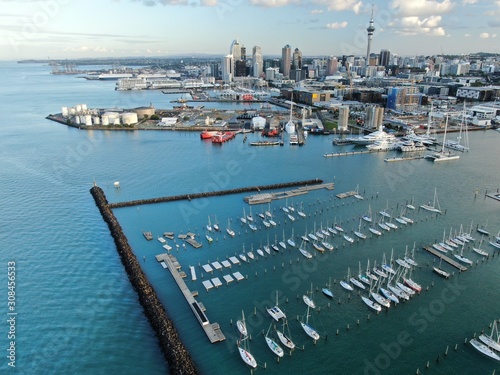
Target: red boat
222 137
270 133
207 134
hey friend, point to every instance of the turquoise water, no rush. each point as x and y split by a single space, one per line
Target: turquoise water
78 314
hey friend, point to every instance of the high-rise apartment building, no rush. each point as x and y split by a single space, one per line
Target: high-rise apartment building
297 59
258 61
385 57
228 68
286 60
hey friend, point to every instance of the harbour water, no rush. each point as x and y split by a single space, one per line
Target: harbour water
78 314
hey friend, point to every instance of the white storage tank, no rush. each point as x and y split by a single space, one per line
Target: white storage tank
96 120
77 120
88 120
116 121
84 107
129 118
78 108
82 119
64 111
111 115
258 122
105 120
72 110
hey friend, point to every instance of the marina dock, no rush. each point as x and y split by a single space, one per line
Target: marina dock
346 194
349 153
268 197
389 160
445 258
212 330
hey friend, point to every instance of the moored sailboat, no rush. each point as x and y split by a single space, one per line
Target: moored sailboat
435 204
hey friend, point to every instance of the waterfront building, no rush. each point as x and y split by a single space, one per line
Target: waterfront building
374 117
286 60
343 118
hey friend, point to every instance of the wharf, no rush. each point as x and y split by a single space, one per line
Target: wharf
269 197
175 91
445 258
212 330
349 153
193 243
389 160
346 194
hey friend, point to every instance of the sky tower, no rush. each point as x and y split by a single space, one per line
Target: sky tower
370 30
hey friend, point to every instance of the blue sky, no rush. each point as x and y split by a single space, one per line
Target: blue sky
112 28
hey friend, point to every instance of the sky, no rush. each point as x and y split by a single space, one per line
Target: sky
61 29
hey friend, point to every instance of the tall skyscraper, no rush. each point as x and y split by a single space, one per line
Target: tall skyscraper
235 50
332 66
258 61
297 59
370 31
228 68
286 60
385 57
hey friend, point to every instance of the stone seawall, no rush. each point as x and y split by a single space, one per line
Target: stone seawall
214 193
176 354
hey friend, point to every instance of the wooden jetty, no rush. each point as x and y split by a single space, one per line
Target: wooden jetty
268 197
389 160
212 330
445 258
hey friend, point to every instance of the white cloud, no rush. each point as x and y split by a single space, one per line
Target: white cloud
316 11
341 5
424 8
273 3
465 2
484 35
466 35
415 25
336 25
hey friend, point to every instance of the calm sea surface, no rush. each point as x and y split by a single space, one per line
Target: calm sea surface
76 310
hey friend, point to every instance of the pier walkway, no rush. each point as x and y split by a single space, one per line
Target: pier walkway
405 158
268 197
445 258
212 330
349 153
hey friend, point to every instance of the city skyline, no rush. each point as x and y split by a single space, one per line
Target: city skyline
162 28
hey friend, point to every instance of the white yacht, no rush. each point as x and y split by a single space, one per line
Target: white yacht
368 139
